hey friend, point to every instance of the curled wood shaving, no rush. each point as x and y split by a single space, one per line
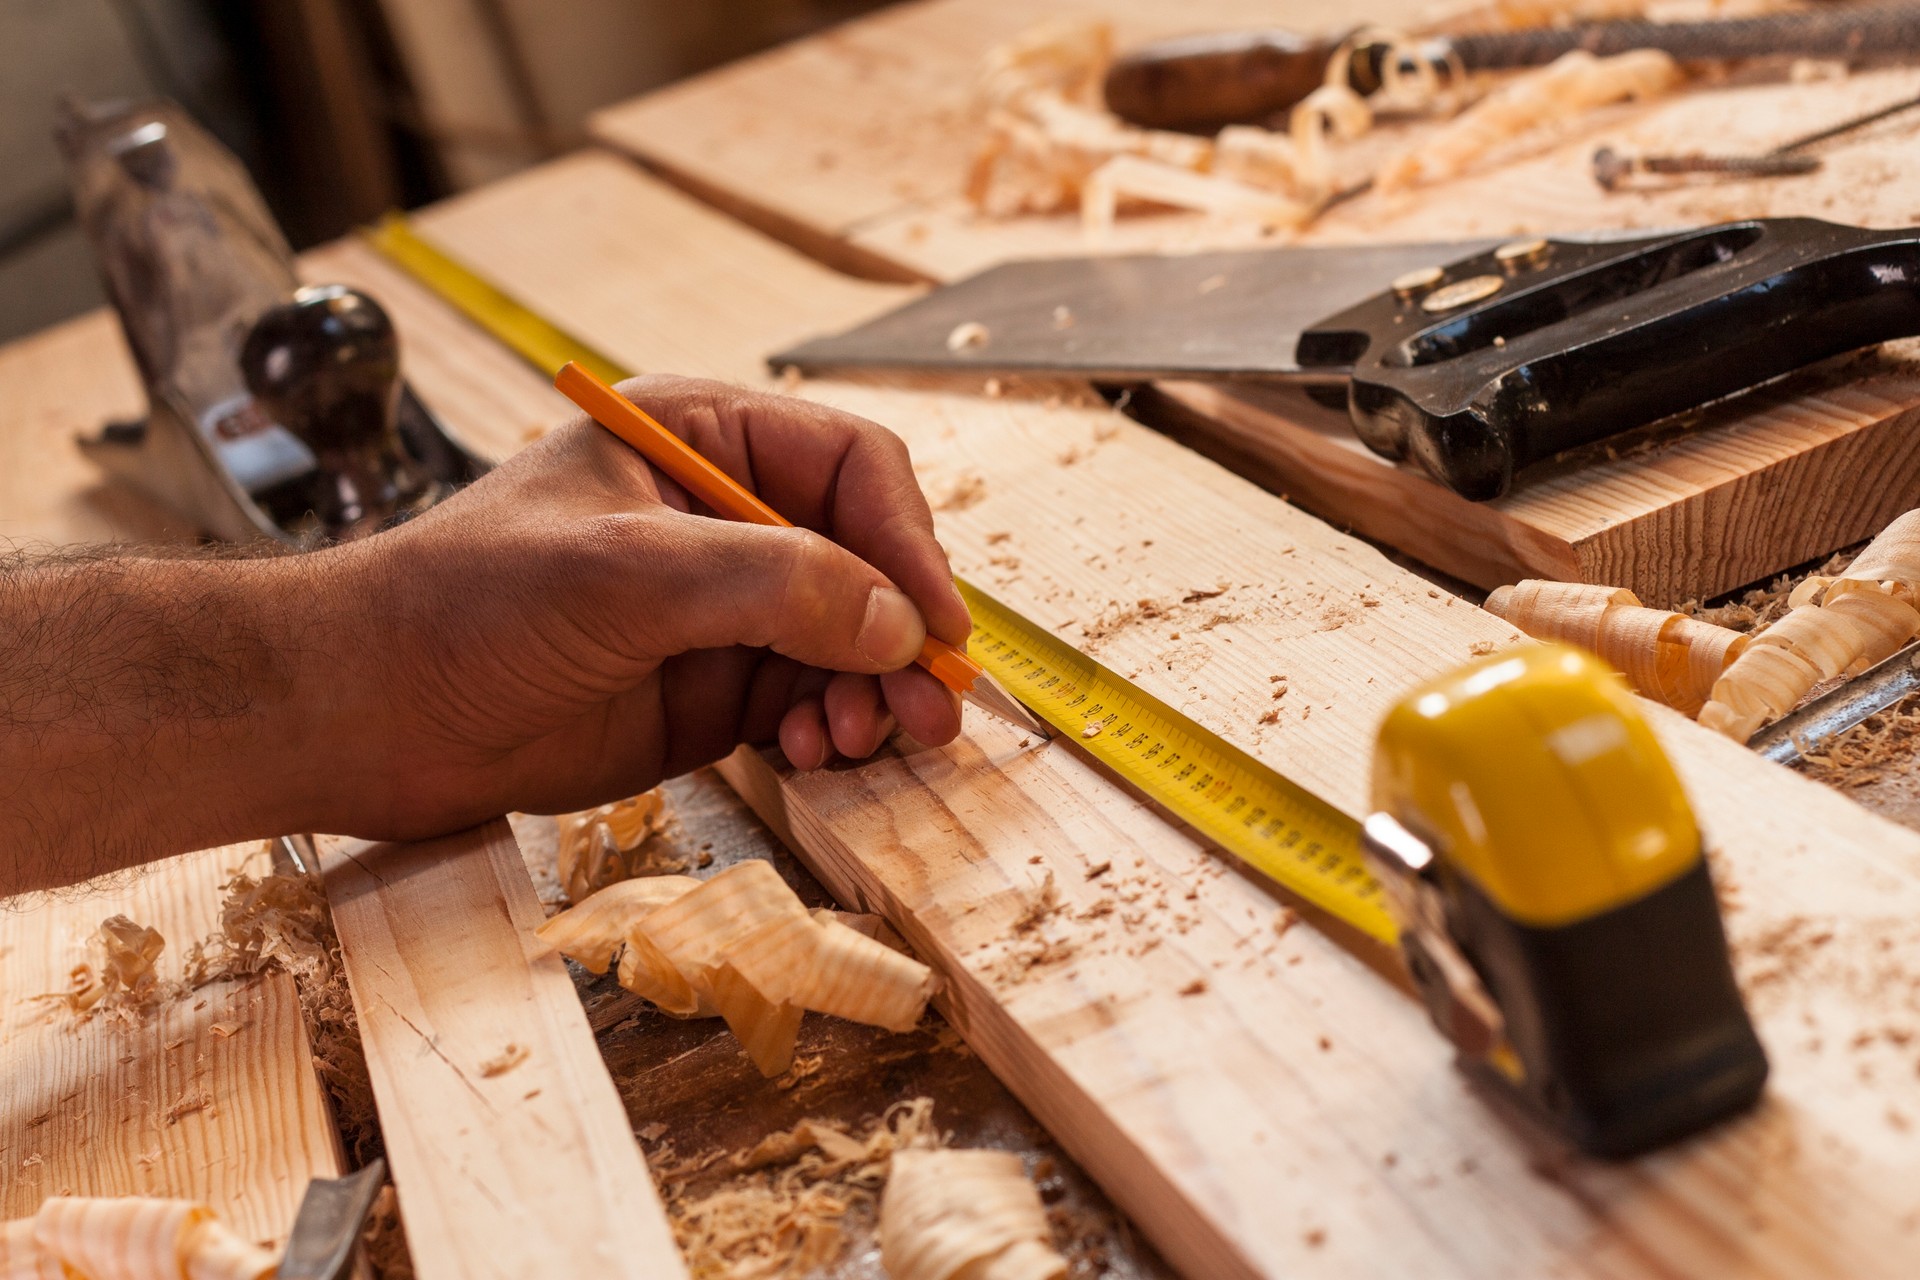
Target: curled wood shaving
965 1215
1132 178
119 975
599 847
1667 656
1574 83
743 947
786 1206
1836 626
1049 145
127 1238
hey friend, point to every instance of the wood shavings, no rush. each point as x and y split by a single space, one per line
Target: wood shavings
1574 83
965 1215
602 846
743 947
1667 656
1050 145
127 1238
282 921
968 335
118 975
1836 626
784 1207
1127 178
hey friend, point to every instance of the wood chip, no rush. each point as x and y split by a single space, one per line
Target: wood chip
504 1061
965 1215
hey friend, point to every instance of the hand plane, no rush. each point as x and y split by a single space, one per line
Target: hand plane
1555 906
1471 361
274 410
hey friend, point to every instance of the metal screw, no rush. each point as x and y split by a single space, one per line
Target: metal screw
1610 168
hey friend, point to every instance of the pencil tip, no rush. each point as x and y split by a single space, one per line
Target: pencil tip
991 698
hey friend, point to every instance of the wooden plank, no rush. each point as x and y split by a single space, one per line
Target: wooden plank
163 1105
63 382
1297 1114
610 211
823 144
510 1149
1294 1113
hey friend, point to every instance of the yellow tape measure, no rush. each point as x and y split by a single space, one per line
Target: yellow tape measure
1274 825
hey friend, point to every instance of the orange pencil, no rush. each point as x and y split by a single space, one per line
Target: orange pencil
720 491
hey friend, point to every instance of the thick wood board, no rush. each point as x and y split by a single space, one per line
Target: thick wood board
825 144
1238 1140
60 383
509 1147
211 1097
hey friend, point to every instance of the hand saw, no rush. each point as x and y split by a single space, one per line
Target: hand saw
1470 360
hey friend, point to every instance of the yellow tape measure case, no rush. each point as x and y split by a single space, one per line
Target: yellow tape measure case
1556 909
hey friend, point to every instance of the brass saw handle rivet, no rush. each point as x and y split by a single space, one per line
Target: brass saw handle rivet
1417 281
1461 292
1516 254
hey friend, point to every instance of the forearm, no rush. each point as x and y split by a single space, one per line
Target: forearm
149 706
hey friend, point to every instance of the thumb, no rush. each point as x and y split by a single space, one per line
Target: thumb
789 590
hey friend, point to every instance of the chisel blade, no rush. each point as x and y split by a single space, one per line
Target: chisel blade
1826 717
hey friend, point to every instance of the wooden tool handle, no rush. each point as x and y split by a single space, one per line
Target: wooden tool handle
692 471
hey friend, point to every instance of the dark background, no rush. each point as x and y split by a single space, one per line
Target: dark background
342 108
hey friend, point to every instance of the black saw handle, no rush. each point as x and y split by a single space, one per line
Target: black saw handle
1511 356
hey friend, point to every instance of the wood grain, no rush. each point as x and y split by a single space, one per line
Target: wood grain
509 1146
166 1105
854 148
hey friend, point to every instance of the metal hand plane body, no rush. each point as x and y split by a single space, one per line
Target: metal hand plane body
1512 355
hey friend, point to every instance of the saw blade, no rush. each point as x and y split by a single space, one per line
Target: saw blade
1234 314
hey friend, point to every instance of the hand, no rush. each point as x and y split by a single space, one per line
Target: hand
566 630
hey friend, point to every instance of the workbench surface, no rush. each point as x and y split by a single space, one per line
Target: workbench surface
685 1087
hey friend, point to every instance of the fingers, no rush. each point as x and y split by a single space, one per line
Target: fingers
927 710
823 469
693 583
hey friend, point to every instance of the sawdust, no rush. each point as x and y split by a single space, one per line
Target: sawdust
964 491
281 921
613 842
786 1207
504 1061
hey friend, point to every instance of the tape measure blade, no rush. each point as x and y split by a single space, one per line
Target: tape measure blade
1226 795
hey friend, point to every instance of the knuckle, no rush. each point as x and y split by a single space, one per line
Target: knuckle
810 590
